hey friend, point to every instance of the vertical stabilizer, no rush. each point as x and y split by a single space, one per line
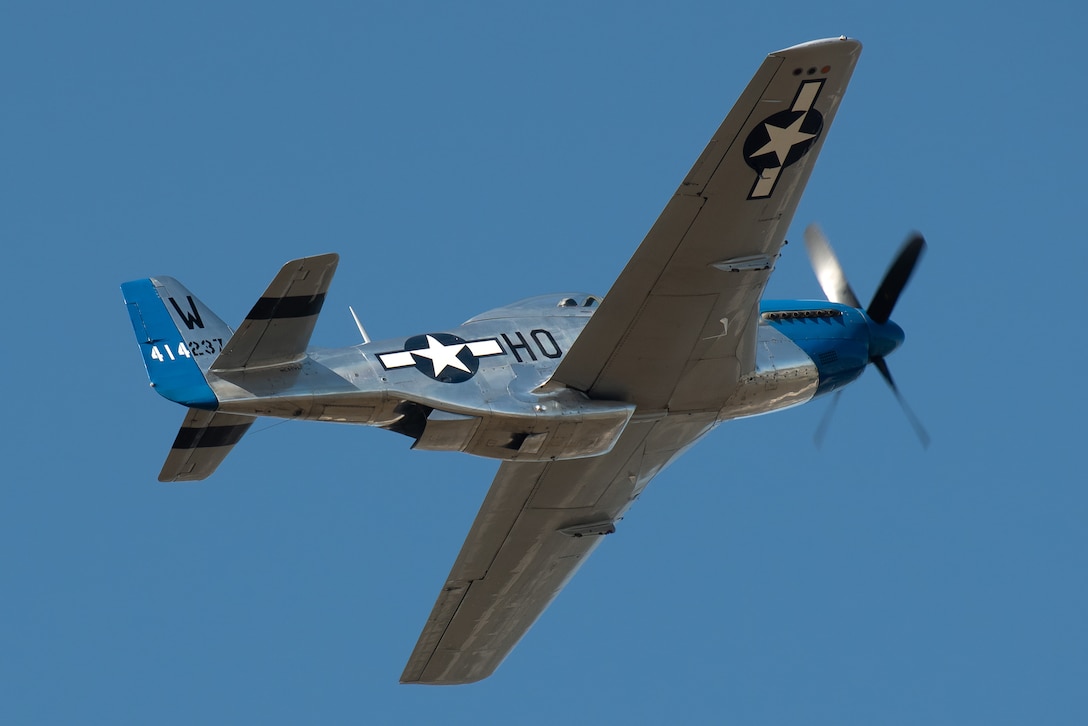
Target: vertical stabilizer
179 338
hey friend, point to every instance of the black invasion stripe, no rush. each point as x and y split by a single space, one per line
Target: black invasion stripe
269 308
200 438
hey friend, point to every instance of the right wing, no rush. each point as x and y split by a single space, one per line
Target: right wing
537 525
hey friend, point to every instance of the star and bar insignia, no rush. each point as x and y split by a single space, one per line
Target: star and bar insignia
442 356
783 139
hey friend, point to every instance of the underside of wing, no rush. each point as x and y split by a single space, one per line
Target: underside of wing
512 566
536 526
677 329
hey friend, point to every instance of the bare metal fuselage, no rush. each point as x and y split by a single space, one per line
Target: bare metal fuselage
502 409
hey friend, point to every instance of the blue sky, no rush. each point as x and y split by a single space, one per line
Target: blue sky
460 157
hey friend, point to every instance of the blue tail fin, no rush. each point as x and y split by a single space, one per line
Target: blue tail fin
179 338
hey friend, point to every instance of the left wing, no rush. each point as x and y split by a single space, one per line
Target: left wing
535 528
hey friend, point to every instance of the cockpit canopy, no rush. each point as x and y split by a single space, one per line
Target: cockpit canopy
589 301
555 305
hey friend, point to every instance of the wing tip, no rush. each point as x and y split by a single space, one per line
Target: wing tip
853 44
421 682
414 677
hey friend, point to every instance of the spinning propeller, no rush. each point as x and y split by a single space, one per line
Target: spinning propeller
886 335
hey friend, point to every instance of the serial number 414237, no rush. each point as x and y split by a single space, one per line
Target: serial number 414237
166 352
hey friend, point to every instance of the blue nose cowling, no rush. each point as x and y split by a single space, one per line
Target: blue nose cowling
884 338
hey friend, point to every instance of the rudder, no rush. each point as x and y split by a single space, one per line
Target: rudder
179 338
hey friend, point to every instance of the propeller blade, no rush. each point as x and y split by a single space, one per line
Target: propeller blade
880 309
825 420
919 429
827 268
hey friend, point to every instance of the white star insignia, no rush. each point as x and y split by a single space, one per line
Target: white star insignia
442 356
784 139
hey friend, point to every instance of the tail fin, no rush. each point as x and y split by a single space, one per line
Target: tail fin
179 337
182 341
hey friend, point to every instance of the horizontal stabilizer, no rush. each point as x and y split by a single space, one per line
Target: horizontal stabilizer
278 328
203 442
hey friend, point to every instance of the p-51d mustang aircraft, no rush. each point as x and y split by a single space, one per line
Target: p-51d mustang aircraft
583 399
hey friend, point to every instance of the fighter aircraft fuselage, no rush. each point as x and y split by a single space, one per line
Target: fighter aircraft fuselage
481 387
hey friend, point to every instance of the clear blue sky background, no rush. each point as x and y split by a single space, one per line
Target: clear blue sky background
460 156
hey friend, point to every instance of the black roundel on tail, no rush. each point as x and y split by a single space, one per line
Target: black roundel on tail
443 356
